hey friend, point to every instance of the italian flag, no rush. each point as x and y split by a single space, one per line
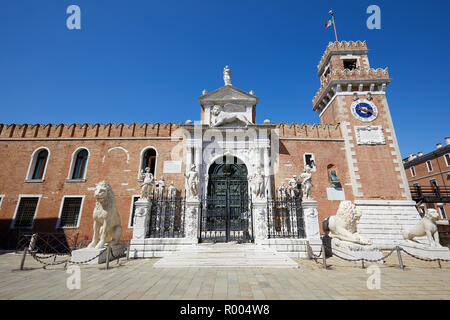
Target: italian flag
329 22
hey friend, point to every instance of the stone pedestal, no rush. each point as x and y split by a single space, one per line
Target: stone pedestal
311 221
260 228
141 221
425 251
192 220
350 250
335 194
86 254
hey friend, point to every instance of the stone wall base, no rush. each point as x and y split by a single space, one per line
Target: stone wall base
158 247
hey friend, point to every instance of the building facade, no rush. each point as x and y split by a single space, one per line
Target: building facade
429 179
49 171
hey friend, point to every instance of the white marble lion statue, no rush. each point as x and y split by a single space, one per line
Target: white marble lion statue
221 118
107 226
343 225
426 227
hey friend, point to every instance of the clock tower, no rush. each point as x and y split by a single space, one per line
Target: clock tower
353 94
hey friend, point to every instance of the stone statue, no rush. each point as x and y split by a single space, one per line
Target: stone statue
426 227
160 187
147 185
221 118
282 192
334 180
307 183
107 226
227 76
171 192
293 189
258 184
343 225
192 183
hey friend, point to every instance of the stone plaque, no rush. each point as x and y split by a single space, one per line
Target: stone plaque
172 167
370 135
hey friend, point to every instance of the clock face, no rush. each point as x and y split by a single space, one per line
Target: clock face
364 110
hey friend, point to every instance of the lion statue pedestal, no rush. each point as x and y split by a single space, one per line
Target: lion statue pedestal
342 238
107 228
426 227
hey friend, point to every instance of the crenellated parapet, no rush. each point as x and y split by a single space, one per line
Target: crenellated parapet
342 47
79 131
309 131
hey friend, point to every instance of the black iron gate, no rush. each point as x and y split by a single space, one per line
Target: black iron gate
227 210
285 218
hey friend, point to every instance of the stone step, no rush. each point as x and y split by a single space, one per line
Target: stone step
226 255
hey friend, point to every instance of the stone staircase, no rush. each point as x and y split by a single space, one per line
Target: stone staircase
383 221
226 255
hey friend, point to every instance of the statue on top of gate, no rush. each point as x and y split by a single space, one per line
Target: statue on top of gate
257 183
147 184
282 192
171 192
293 188
160 187
307 183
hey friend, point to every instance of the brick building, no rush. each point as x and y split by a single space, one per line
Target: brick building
49 171
429 179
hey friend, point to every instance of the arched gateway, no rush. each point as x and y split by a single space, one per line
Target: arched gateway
226 211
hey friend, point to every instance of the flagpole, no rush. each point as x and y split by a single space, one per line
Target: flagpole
334 25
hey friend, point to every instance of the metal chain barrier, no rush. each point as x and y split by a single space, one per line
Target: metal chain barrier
423 259
39 259
360 259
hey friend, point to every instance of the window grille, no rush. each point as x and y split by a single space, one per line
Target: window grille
25 212
70 212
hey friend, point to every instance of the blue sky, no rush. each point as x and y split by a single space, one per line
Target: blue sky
148 61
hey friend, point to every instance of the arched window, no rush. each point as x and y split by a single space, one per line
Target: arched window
39 167
149 160
80 162
38 164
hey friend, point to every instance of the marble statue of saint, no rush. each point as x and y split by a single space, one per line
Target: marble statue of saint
282 192
292 188
160 187
147 184
258 184
171 192
227 76
192 182
307 183
334 180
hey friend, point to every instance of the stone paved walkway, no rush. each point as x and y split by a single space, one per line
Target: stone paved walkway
137 279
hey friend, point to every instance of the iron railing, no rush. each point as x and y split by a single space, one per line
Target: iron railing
51 242
167 218
430 194
285 218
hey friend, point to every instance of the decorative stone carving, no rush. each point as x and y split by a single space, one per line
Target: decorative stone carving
307 183
160 187
107 226
171 191
191 220
221 117
227 76
260 216
343 225
141 219
192 183
426 227
370 135
257 183
147 184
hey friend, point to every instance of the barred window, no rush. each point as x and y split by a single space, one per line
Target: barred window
25 212
70 212
135 198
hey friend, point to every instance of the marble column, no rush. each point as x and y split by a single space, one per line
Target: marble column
141 226
311 221
268 189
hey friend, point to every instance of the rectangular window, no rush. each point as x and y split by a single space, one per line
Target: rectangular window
413 171
442 212
350 64
70 212
447 159
25 212
133 208
429 166
309 159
